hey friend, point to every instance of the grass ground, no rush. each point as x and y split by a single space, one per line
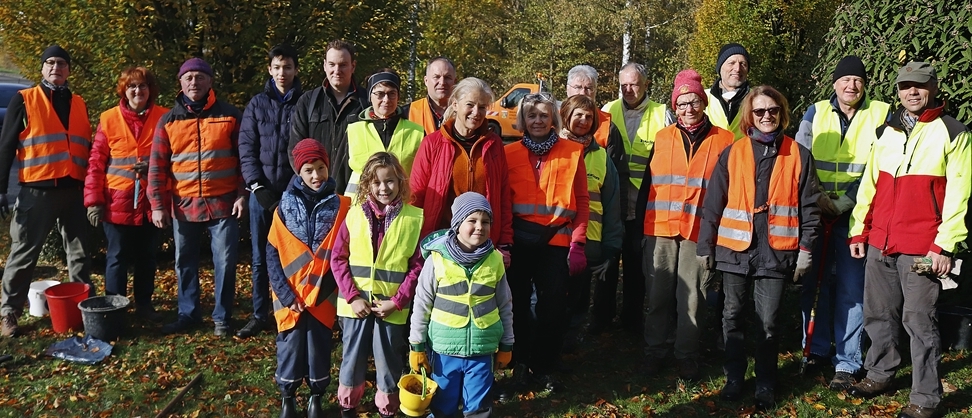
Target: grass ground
147 369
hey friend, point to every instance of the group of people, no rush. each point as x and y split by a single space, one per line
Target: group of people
493 248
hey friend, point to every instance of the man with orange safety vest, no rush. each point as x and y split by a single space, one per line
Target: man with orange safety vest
440 78
195 181
47 129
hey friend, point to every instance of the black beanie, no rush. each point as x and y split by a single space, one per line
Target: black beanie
729 50
850 65
56 51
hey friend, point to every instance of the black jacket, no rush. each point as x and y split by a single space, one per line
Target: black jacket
759 259
264 136
318 116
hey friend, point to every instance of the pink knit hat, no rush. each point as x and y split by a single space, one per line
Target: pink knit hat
689 81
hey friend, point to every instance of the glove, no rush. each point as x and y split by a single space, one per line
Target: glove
827 206
705 261
417 360
141 168
503 359
802 266
600 272
267 199
576 259
4 206
95 214
844 203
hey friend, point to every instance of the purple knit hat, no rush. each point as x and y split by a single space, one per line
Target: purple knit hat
195 64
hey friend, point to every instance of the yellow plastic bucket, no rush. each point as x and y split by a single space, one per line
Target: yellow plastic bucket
415 393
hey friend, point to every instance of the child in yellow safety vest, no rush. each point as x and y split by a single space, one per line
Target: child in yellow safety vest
301 237
376 279
463 311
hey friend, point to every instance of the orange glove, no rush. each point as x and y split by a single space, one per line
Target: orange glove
503 359
417 360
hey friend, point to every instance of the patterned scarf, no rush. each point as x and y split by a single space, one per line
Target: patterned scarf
908 121
461 256
762 137
583 139
540 148
691 130
387 215
53 87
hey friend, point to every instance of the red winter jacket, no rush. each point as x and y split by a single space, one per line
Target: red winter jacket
431 180
119 204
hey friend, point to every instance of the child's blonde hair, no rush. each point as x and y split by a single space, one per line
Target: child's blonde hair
370 172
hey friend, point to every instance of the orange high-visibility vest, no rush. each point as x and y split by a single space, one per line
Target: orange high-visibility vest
603 128
305 270
204 160
48 150
125 149
551 201
782 204
420 113
678 183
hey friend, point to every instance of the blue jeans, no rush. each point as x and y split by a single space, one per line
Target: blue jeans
260 220
225 237
840 306
131 246
767 295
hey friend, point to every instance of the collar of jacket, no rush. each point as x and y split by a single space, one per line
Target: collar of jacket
270 88
180 106
928 115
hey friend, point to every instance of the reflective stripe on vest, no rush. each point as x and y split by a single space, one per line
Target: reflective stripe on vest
783 202
717 115
364 141
596 164
549 201
638 151
603 128
378 278
678 183
305 270
420 113
47 149
840 161
460 296
124 149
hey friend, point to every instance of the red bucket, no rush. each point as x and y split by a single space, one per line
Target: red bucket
62 301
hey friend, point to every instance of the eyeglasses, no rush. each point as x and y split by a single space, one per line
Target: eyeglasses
381 95
694 104
581 88
134 87
56 63
539 97
773 111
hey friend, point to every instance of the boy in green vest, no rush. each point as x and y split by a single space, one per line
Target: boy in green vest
464 309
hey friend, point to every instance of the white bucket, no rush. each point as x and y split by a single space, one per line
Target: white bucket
35 296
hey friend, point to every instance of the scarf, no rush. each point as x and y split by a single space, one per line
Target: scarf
908 121
540 148
194 106
53 87
134 120
582 139
693 129
386 216
461 256
762 137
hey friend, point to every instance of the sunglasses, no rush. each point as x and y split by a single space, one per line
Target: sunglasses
773 111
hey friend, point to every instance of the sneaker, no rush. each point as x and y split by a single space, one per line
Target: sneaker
148 313
222 329
180 326
688 369
254 327
915 411
867 388
8 325
842 381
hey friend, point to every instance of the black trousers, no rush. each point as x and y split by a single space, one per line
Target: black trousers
539 339
632 284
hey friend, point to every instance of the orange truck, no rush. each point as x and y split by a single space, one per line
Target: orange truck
501 117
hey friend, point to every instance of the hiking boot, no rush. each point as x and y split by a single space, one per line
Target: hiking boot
732 391
765 399
288 407
816 364
180 326
222 329
254 327
842 381
314 408
148 313
8 325
915 411
867 388
688 369
349 413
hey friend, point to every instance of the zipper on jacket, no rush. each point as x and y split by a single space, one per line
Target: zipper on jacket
934 199
199 153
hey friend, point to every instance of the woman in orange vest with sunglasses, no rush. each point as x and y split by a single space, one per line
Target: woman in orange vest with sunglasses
114 190
759 222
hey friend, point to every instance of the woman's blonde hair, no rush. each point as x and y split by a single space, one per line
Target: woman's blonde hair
463 88
370 173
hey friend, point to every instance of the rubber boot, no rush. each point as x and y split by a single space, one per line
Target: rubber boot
314 408
288 407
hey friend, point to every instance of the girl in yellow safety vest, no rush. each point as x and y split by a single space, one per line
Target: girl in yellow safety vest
376 280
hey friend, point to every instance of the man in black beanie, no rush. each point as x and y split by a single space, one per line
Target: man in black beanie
47 129
839 133
728 90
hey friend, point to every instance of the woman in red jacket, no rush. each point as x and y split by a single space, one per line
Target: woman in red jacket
114 189
464 156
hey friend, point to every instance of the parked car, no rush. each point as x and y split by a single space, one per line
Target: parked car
501 117
7 91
